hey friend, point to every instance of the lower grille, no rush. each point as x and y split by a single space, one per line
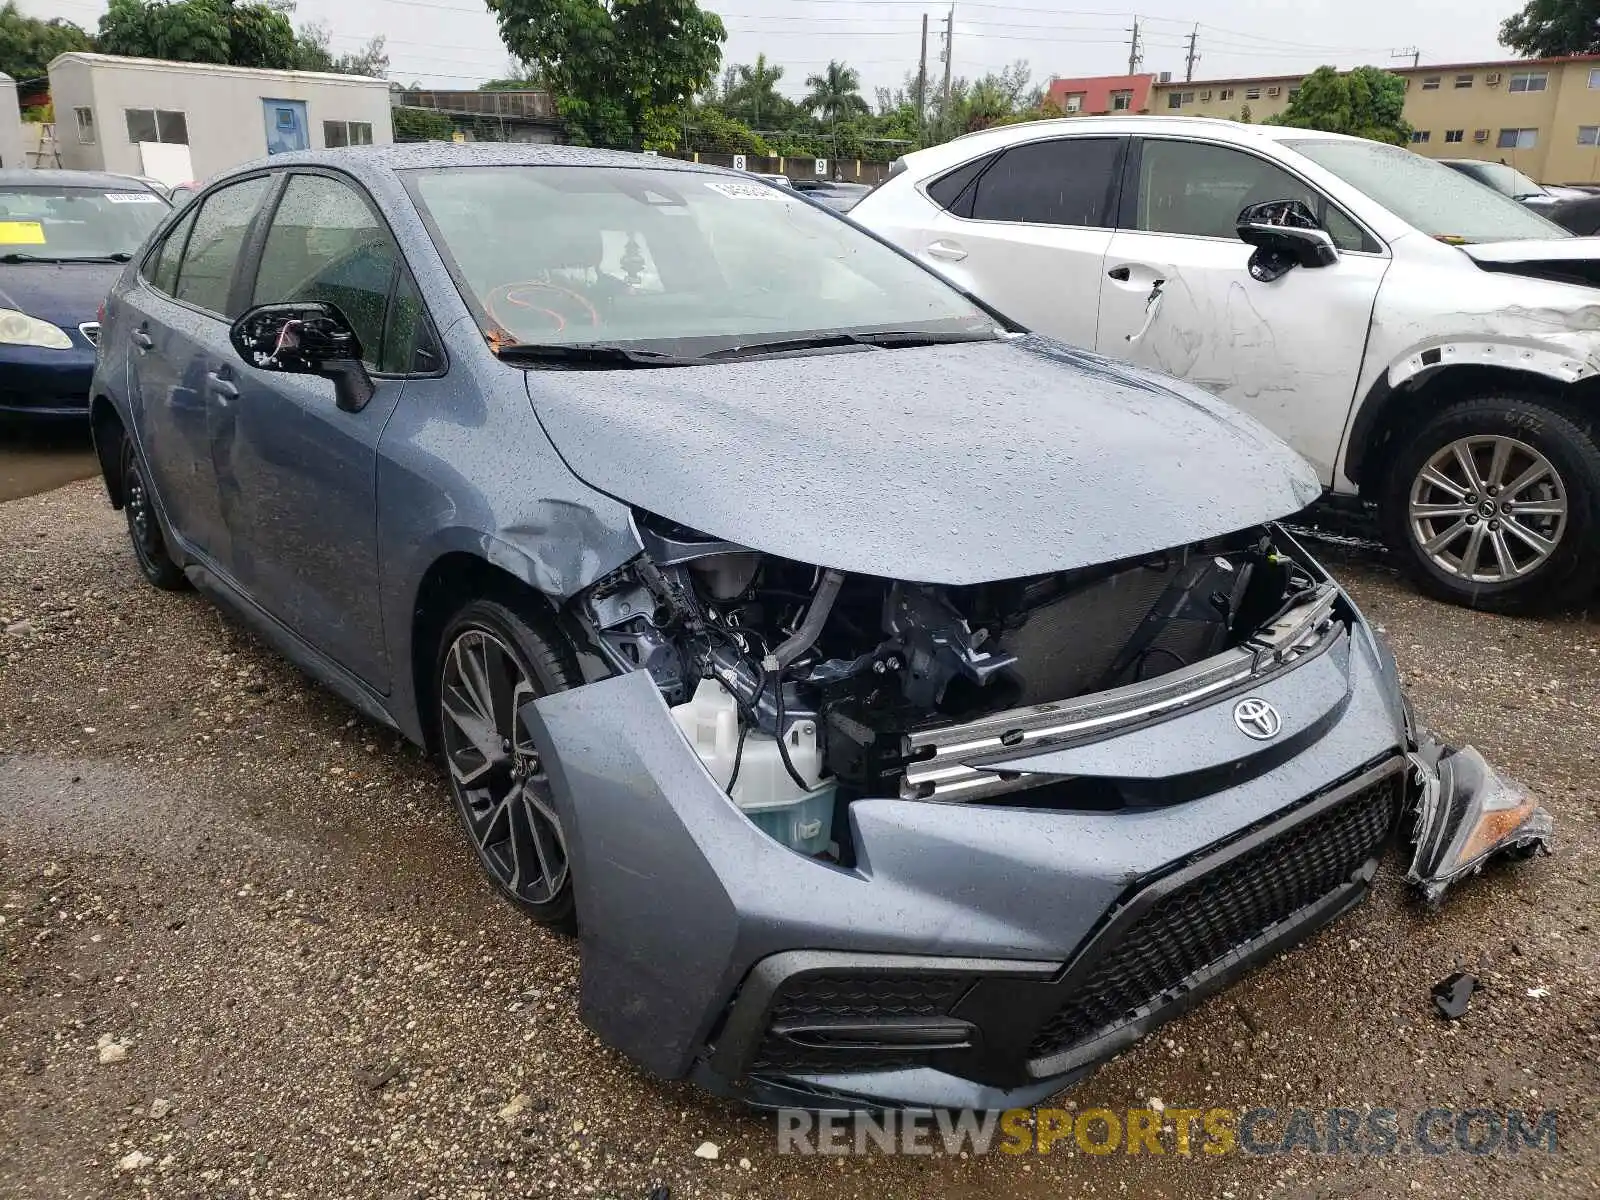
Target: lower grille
1204 920
817 999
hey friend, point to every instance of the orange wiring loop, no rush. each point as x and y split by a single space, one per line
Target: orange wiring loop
515 294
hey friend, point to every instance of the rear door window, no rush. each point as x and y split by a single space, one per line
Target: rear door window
1065 181
205 276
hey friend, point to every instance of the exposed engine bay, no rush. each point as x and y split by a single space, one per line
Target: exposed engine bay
804 688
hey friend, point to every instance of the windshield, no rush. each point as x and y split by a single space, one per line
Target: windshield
672 261
66 223
1442 203
1506 180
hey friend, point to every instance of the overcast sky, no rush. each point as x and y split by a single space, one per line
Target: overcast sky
454 43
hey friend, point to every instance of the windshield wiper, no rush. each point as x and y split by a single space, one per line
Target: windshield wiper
883 340
591 354
19 256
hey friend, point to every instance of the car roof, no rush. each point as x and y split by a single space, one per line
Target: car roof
41 177
370 162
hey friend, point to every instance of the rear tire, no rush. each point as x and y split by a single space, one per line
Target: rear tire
494 657
145 528
1494 503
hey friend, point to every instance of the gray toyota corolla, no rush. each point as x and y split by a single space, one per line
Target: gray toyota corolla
903 708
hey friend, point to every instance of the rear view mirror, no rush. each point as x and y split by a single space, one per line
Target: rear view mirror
1285 234
305 339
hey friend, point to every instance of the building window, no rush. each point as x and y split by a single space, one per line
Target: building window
1225 94
157 125
1175 100
1293 92
1420 135
1252 93
346 133
1594 78
1074 102
1463 81
1517 139
1529 81
85 125
1589 135
1431 84
1121 101
1454 135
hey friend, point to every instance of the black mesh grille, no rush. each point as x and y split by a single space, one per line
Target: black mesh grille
818 999
1204 920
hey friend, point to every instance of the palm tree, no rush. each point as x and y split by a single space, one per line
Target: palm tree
747 89
835 93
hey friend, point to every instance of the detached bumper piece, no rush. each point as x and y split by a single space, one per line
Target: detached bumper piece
1175 937
1468 814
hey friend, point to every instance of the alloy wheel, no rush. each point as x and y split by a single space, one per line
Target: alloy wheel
499 780
1488 509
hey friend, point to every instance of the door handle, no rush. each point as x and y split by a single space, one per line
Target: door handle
1120 274
142 341
1152 305
222 385
948 251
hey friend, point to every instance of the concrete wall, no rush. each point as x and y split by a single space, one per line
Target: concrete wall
222 108
11 142
1446 101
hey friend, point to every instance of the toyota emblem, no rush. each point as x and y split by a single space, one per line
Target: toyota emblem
1256 718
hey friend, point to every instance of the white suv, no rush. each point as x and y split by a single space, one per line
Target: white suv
1421 339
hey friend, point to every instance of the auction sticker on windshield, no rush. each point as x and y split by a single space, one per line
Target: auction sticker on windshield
746 191
133 198
21 233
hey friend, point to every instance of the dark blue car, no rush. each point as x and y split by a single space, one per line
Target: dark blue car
64 236
906 709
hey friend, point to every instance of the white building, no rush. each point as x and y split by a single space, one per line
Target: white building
180 121
12 151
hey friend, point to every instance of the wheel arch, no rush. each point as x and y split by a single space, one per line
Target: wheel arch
106 429
451 580
1392 406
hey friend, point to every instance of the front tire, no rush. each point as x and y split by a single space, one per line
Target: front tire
1494 503
493 659
145 529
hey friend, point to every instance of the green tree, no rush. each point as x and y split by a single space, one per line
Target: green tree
212 31
27 44
750 94
1551 28
1366 102
519 77
621 69
422 125
313 53
835 93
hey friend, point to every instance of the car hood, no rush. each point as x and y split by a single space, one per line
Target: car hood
1534 250
65 294
952 464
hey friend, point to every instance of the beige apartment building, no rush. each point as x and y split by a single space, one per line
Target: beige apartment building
1540 115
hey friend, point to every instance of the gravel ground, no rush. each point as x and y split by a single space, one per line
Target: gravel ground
247 953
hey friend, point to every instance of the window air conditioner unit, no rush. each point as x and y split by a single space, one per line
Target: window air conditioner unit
1204 96
1273 91
1480 135
1492 79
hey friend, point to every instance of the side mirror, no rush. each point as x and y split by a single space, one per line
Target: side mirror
305 339
1285 234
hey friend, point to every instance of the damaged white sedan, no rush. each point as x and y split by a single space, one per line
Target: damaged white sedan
1427 343
905 708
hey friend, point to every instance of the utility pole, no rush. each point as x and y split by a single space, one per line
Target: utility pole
1413 51
949 53
1135 57
922 84
1189 62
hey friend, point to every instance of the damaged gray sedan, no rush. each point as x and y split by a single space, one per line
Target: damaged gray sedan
904 709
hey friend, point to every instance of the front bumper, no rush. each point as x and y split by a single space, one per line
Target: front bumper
35 382
999 952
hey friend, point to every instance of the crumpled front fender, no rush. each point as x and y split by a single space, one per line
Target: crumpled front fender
1467 814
